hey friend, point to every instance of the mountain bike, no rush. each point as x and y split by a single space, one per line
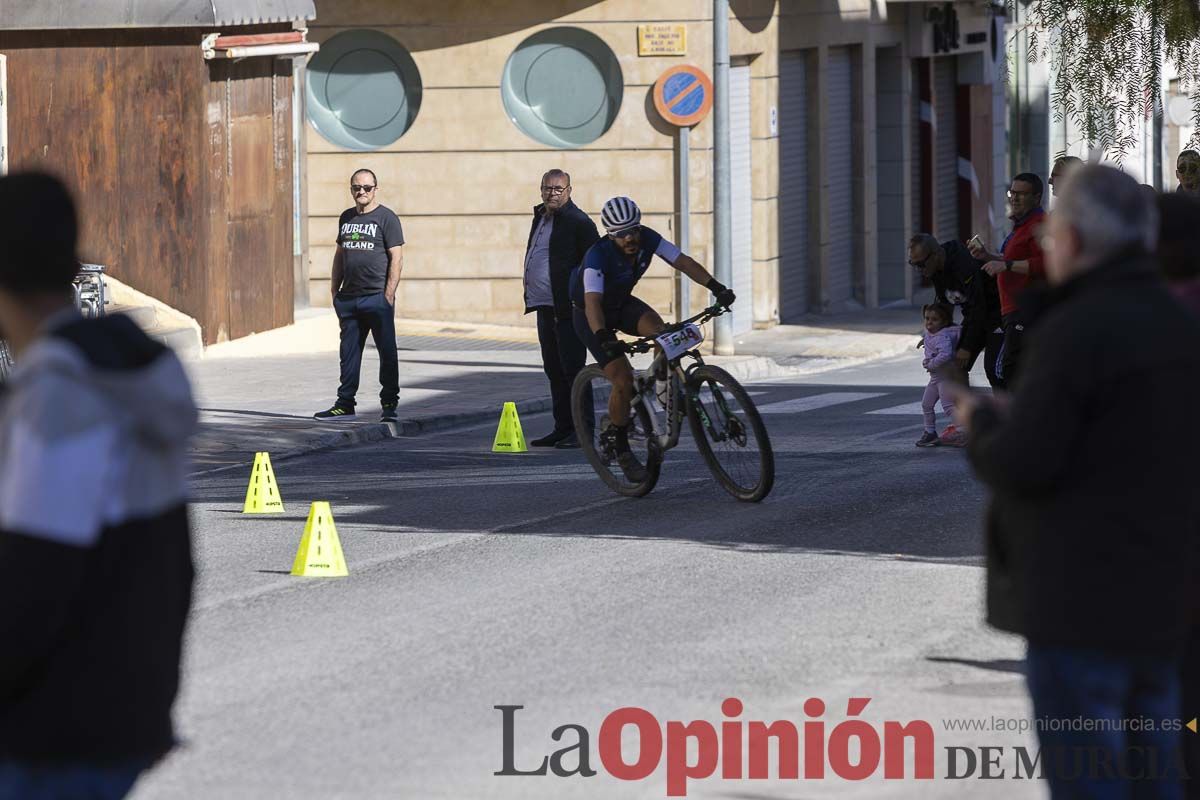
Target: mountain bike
728 430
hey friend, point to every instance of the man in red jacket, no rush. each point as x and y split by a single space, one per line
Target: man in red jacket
1018 264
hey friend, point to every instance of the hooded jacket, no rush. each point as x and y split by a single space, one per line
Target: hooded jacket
940 347
1093 529
95 554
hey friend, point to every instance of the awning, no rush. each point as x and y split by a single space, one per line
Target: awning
82 14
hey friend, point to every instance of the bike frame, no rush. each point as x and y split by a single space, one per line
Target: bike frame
666 427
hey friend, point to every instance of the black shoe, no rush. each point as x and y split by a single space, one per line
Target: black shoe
568 442
389 413
633 469
336 413
929 439
550 439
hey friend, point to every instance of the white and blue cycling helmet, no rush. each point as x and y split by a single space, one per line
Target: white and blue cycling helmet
620 214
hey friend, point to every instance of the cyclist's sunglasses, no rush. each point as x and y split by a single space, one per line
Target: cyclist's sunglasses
358 187
628 233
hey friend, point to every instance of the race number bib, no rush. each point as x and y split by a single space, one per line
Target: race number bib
676 343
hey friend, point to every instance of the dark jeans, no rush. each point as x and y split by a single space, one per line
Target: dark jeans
20 781
992 350
563 355
1010 351
1115 693
359 316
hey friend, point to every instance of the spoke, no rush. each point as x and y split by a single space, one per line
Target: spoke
731 436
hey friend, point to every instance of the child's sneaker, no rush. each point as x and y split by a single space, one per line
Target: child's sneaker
929 439
953 437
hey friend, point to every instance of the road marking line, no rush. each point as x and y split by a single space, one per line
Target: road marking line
387 558
905 409
892 432
816 401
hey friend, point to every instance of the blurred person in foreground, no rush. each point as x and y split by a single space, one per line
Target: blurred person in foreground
95 553
1179 255
1094 520
1179 246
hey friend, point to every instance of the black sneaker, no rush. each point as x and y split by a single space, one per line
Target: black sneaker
551 439
336 414
929 439
614 443
568 442
633 469
389 413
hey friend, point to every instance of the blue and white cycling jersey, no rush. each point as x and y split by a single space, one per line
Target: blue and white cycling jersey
607 270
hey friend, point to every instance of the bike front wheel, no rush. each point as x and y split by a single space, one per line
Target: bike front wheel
589 409
730 434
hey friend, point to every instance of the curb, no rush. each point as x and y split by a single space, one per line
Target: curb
750 369
370 433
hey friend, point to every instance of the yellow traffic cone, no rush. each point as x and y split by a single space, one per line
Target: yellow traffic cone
262 495
320 553
509 438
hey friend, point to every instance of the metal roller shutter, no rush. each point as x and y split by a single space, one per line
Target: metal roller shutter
945 88
793 186
916 224
840 164
742 218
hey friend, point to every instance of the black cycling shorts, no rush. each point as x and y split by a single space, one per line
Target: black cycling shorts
624 318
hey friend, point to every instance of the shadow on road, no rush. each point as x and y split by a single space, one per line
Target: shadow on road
848 483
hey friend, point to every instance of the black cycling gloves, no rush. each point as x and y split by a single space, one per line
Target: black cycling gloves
607 338
724 294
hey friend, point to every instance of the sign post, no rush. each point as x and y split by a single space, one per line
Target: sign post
683 96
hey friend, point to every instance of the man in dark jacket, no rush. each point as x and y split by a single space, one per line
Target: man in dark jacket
1094 524
95 551
958 280
558 238
1178 244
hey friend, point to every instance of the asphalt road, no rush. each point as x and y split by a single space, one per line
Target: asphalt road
479 580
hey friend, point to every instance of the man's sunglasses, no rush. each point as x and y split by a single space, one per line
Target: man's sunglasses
356 188
629 233
920 264
554 189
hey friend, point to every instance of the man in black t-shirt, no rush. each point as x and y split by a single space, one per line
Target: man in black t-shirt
366 272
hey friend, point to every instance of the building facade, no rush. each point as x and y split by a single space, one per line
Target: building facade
853 123
179 154
1039 133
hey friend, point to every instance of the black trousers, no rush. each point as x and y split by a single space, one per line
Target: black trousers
359 316
563 355
1010 357
992 350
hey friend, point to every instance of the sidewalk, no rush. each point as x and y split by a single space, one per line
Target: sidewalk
259 393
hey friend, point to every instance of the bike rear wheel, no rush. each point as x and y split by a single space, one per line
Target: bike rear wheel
730 434
589 409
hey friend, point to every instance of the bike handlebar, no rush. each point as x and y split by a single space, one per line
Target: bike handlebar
646 343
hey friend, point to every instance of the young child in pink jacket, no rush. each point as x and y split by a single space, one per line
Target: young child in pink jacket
940 340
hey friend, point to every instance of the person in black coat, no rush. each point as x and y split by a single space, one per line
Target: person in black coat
558 238
1094 522
958 280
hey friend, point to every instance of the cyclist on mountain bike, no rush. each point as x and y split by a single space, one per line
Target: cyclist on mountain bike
602 303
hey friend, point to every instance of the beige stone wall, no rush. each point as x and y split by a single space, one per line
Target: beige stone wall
464 178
